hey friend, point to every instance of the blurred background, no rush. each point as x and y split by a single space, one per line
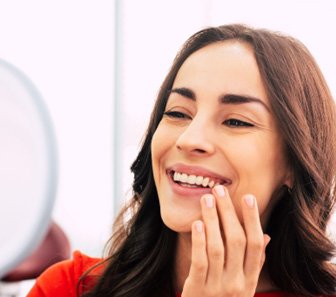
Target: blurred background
99 64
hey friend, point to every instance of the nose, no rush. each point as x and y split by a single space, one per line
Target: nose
197 139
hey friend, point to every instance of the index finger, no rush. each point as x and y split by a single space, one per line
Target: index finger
233 232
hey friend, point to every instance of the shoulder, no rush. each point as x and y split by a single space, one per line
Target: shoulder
62 278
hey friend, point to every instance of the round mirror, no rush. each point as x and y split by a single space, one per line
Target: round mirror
28 167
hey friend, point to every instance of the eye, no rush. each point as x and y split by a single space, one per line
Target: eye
176 115
237 123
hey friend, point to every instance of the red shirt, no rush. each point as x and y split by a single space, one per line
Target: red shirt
62 278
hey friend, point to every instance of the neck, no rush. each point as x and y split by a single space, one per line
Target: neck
183 260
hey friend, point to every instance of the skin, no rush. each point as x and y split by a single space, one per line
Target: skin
207 131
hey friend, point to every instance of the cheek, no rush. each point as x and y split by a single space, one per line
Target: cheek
162 142
156 151
175 214
260 158
260 168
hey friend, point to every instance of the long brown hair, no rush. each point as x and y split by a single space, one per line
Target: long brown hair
141 255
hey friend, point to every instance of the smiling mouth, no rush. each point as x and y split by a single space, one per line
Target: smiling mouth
196 181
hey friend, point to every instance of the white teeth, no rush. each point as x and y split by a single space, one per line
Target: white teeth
199 180
205 182
184 178
194 180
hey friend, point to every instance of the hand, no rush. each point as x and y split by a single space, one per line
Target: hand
227 256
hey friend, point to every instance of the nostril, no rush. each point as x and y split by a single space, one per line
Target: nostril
194 145
196 150
199 151
191 150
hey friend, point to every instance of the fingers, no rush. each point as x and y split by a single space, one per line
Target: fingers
244 242
224 248
267 239
199 261
214 240
255 238
234 235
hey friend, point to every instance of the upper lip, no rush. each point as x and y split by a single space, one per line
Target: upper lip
198 171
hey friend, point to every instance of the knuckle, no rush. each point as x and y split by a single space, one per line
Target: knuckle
214 291
199 266
238 241
215 250
251 284
236 288
256 244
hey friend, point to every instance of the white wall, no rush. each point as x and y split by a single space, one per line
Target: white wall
67 49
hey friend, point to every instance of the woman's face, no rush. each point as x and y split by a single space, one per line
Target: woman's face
218 127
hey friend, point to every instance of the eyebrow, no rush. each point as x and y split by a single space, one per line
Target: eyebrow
235 99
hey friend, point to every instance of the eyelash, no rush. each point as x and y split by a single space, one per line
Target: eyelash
177 115
238 123
230 122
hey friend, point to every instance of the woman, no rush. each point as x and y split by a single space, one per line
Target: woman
240 149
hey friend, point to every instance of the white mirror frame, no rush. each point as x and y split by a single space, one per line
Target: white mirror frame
28 167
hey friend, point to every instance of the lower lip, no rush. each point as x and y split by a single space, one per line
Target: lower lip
187 192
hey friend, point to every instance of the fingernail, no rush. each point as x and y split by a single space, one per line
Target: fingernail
249 200
209 201
220 190
199 226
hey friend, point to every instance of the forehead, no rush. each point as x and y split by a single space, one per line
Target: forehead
222 67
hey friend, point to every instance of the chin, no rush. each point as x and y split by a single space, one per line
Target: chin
178 224
179 228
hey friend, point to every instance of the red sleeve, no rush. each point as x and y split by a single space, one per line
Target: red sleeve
281 294
62 278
